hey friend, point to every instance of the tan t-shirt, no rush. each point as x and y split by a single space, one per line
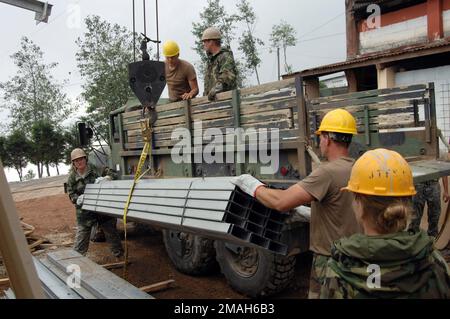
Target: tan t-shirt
178 79
332 214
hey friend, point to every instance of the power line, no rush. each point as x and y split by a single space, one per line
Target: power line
321 26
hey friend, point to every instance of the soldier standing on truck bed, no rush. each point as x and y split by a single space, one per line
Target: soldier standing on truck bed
221 73
83 173
386 261
180 75
332 215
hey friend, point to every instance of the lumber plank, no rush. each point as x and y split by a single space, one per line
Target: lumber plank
158 286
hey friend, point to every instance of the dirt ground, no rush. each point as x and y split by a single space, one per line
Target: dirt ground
54 218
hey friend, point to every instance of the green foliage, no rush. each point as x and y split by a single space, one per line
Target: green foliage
33 94
283 36
105 50
48 145
71 142
248 43
18 148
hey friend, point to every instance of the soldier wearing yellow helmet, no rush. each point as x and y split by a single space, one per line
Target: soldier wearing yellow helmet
386 261
331 213
180 74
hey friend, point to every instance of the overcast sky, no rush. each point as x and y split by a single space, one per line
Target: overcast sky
320 27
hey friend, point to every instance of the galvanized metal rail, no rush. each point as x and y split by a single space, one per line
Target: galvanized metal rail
210 207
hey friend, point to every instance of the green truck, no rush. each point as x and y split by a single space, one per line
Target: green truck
276 122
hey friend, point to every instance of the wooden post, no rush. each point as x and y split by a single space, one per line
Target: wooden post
352 30
236 103
14 248
304 161
189 167
351 80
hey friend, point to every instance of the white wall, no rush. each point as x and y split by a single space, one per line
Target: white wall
446 23
394 35
441 78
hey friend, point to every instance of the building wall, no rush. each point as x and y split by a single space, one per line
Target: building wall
441 78
395 35
446 23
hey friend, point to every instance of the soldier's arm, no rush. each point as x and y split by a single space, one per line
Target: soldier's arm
227 71
110 172
73 196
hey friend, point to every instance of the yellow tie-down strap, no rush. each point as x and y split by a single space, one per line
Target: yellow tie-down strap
137 177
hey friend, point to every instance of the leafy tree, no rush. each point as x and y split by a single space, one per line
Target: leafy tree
214 14
33 94
48 146
248 43
283 35
18 147
105 50
4 156
71 142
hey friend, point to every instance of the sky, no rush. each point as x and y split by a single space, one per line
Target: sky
320 27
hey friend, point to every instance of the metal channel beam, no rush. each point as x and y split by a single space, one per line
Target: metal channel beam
53 286
42 9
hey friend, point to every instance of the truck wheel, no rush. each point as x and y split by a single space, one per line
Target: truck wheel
191 254
254 272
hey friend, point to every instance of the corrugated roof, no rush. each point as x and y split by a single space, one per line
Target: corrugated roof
375 56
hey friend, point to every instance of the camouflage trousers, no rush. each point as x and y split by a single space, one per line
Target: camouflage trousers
317 277
430 193
85 221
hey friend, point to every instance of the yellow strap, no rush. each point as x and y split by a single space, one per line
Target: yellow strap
137 176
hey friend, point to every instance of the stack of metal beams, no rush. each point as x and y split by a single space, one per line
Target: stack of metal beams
58 270
208 207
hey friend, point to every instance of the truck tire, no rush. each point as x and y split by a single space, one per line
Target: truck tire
190 254
254 272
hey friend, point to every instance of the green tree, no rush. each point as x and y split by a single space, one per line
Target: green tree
248 43
105 50
19 148
214 14
71 142
4 156
283 36
33 94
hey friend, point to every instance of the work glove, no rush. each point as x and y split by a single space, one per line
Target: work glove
213 92
99 180
247 183
303 213
80 200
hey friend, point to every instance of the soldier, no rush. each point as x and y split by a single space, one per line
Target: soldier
180 74
83 173
331 213
386 261
221 74
428 192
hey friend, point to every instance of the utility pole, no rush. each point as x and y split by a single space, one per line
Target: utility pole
278 64
157 32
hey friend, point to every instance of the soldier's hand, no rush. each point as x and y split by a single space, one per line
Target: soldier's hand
247 183
446 197
187 96
212 95
102 179
80 200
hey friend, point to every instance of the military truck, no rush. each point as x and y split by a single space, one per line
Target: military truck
402 118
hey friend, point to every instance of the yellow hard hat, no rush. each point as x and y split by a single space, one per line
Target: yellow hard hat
338 121
211 33
77 153
170 48
381 172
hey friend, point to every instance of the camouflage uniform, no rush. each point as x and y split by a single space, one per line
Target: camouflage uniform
427 192
409 267
221 68
86 219
317 277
